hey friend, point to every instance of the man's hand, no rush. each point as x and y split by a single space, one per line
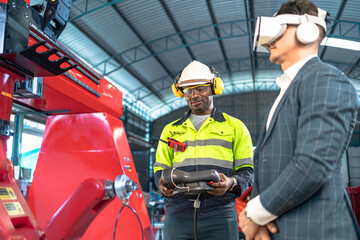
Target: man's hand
165 191
248 227
223 186
254 231
263 233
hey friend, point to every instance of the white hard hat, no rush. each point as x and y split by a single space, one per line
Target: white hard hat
195 73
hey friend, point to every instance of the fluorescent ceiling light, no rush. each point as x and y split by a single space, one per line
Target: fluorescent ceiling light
341 43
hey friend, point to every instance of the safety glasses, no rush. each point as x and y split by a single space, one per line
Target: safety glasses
198 89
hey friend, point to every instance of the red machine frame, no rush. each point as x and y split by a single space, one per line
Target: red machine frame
81 149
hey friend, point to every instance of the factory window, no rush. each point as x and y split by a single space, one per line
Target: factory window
31 140
24 146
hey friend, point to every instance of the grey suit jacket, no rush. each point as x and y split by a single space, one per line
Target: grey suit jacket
297 161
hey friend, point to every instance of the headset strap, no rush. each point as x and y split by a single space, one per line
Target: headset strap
298 19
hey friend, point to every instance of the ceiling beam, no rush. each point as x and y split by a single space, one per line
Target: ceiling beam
177 29
138 35
249 41
214 22
254 65
252 25
87 11
338 15
354 72
171 42
352 69
101 46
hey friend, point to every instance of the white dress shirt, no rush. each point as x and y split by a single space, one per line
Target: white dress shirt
254 209
283 83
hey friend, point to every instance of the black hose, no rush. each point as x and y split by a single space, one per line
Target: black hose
195 223
195 216
137 216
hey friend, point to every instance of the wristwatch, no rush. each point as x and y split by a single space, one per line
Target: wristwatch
234 184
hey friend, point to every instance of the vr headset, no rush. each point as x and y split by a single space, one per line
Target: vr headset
270 29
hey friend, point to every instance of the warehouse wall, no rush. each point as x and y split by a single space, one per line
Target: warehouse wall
142 165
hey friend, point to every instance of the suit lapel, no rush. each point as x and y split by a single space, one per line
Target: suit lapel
312 61
276 113
263 130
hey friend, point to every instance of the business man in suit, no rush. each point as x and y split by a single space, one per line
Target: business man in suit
298 190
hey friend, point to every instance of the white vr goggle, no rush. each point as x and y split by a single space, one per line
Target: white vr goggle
270 29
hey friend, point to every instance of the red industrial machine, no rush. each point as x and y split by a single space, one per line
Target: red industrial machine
85 159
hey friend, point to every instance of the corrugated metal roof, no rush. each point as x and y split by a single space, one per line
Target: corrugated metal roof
190 14
226 11
141 14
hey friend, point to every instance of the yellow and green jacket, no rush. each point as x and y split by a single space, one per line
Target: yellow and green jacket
222 143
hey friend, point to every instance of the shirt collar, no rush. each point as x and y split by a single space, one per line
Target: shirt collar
294 69
217 115
289 74
283 81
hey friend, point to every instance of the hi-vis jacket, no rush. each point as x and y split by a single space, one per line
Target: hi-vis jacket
222 143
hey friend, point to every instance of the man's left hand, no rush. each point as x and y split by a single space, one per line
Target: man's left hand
223 186
262 234
248 227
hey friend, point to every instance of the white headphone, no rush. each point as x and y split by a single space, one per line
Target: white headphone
307 32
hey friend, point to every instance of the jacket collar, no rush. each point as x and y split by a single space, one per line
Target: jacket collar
217 115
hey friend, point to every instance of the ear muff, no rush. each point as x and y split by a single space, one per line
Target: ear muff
307 32
177 92
217 86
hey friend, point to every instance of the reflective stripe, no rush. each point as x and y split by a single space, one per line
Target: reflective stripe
247 165
216 142
243 161
157 164
204 161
